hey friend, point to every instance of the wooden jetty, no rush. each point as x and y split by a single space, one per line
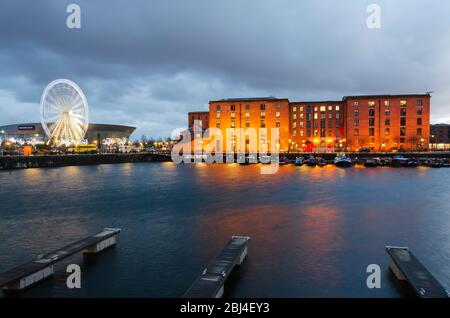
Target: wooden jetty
42 267
407 267
211 282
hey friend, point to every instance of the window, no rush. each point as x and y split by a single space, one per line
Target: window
387 103
218 115
337 108
294 125
301 115
322 124
371 122
387 131
308 109
263 123
308 116
387 122
232 124
278 124
263 114
277 106
403 121
315 132
323 116
402 140
294 108
419 131
262 107
402 111
330 124
323 108
387 112
419 102
308 124
301 133
330 108
402 131
316 108
247 124
301 124
233 107
294 116
371 103
277 114
371 132
372 112
355 103
316 116
419 121
301 108
247 107
338 124
330 116
356 112
218 125
337 115
247 115
218 107
403 103
233 115
356 122
419 111
356 132
294 133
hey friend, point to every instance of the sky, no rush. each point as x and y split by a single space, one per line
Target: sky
147 63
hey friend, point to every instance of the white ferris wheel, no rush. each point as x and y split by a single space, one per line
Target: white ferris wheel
64 112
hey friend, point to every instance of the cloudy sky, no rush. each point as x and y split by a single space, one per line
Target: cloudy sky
147 63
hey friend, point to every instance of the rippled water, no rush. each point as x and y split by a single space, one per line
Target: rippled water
314 230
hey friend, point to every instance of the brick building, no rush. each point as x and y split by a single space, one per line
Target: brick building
355 123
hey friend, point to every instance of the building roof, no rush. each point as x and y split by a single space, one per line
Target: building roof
319 102
249 99
199 112
386 96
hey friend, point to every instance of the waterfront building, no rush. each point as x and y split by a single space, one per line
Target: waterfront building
96 133
440 137
355 123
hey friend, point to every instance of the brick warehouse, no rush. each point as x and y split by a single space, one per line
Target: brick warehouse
368 122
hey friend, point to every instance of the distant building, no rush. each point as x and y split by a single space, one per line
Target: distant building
355 123
440 137
95 133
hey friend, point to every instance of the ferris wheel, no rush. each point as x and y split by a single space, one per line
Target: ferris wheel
64 112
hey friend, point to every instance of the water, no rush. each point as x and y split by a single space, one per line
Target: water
314 230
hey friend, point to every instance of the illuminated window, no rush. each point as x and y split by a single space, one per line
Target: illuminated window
233 115
232 124
371 103
356 103
387 131
218 125
403 103
316 116
294 116
301 124
323 108
247 115
419 131
387 103
316 108
301 115
330 108
301 108
277 114
218 115
277 123
301 133
294 108
315 132
263 114
294 125
337 108
294 133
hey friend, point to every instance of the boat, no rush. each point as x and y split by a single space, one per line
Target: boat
283 161
299 161
372 162
343 161
321 162
412 163
265 160
311 161
398 161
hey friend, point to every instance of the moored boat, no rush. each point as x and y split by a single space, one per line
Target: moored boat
343 161
311 161
299 161
372 162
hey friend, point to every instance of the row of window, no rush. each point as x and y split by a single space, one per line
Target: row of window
248 125
316 108
387 122
323 124
247 115
387 112
248 107
371 103
316 116
387 131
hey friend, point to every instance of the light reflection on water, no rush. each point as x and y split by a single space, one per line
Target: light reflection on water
314 230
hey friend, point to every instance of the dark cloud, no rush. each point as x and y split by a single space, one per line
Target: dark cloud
147 63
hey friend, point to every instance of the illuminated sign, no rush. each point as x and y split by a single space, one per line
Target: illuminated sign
31 127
